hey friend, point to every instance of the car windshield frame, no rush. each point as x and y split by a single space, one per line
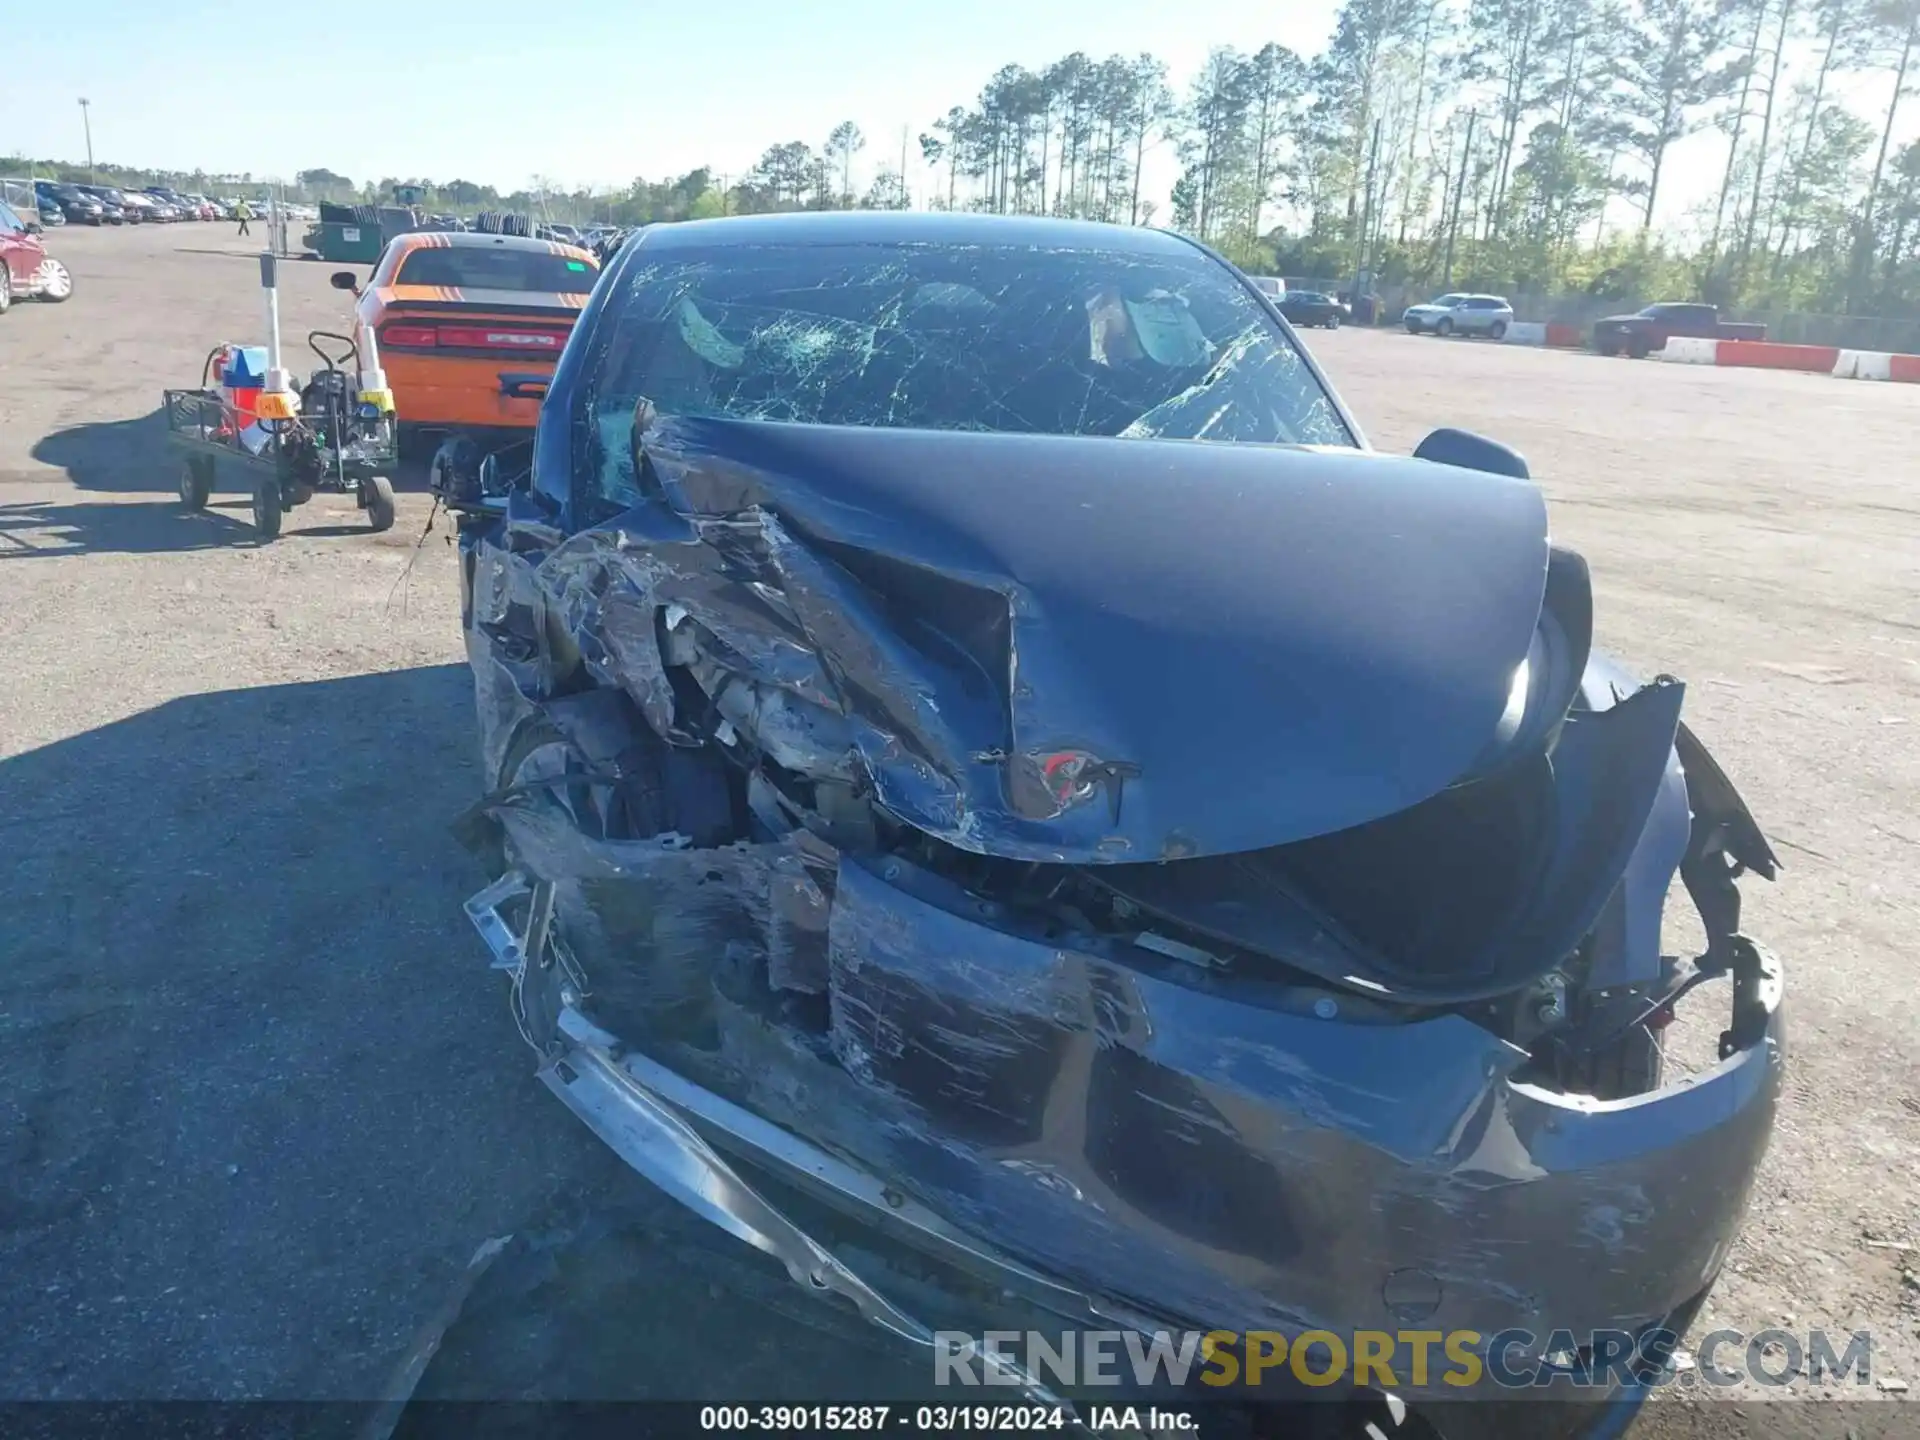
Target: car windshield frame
692 316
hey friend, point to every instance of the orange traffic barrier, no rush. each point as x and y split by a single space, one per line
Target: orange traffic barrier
1770 355
1566 337
1904 367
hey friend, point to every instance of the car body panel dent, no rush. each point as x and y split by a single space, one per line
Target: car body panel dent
1107 612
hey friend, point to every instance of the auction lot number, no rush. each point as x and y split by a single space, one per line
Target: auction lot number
939 1418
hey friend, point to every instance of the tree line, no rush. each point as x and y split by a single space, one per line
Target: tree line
1488 144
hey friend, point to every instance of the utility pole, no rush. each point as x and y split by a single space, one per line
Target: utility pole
1360 278
906 200
1459 191
1366 215
87 122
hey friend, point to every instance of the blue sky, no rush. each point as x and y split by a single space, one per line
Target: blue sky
487 91
482 89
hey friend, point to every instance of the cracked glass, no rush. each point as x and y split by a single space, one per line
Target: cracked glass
1012 339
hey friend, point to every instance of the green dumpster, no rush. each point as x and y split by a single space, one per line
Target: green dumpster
356 234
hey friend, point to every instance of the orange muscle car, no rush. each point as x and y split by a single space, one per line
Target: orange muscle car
469 325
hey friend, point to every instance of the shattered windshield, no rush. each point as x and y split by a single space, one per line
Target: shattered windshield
1014 339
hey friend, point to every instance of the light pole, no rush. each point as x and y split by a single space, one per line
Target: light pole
87 122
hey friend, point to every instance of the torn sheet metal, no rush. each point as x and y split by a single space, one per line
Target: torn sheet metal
414 1360
1041 671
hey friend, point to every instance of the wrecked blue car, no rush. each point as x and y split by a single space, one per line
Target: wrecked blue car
983 757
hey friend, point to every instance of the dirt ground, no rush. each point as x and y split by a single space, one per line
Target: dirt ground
259 1099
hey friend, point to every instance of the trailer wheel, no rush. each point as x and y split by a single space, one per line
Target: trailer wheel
266 506
196 481
377 492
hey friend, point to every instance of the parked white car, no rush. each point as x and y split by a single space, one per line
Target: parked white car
1461 314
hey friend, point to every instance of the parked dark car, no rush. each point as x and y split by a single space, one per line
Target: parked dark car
1648 330
73 202
152 207
180 206
1310 307
117 207
973 734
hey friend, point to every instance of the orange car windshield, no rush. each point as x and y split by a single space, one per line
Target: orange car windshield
483 267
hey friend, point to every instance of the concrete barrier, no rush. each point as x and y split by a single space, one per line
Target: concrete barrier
1863 365
1771 355
1690 350
1745 354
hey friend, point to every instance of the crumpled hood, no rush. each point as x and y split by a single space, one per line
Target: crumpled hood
1087 649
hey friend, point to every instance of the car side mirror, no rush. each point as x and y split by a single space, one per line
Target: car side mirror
1467 451
345 280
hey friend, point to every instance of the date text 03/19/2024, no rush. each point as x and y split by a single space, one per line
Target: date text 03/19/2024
930 1419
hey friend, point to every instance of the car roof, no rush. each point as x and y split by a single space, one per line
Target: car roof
909 227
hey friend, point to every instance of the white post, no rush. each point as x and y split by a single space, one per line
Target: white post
277 399
269 279
373 380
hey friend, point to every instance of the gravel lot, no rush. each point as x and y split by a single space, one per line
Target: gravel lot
259 1101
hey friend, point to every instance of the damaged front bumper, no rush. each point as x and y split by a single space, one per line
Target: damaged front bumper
866 843
1148 1155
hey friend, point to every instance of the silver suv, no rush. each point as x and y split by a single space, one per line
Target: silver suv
1488 315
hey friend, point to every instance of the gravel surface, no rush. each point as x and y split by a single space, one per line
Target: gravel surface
259 1100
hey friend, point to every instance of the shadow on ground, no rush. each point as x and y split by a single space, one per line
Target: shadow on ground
127 456
572 1311
133 457
42 528
260 1098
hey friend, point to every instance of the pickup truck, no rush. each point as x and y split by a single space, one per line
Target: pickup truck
1641 334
